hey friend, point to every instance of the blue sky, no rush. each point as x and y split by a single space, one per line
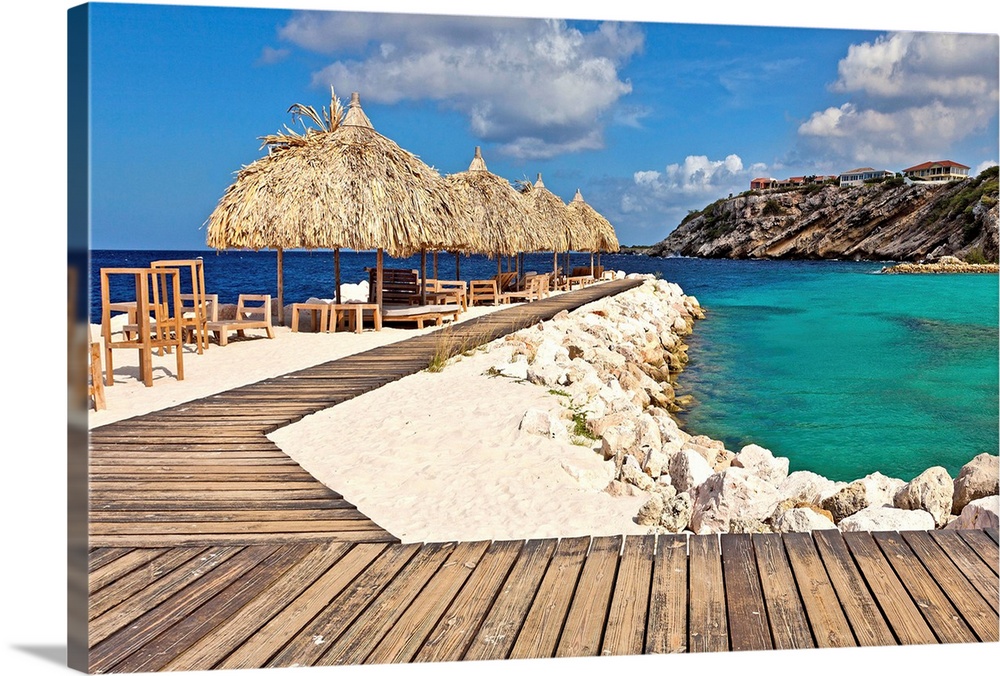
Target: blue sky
648 119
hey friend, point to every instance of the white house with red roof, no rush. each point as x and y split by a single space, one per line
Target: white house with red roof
937 172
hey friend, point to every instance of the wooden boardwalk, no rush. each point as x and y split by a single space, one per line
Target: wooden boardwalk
210 548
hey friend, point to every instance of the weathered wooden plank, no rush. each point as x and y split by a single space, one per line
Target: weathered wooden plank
903 616
540 632
303 609
112 569
502 625
935 606
785 613
666 630
975 570
102 556
456 629
244 527
355 644
708 630
826 615
588 612
218 608
226 638
108 508
207 494
626 628
112 649
973 608
143 580
745 610
984 545
347 511
410 630
239 538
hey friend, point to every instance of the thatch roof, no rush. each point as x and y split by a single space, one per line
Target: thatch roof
599 234
503 220
561 222
341 186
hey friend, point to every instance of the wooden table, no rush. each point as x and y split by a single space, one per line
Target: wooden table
320 316
354 315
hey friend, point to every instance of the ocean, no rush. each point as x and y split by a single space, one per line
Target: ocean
843 371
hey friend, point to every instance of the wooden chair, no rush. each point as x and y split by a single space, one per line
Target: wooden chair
536 287
195 311
253 311
154 323
492 290
95 388
449 291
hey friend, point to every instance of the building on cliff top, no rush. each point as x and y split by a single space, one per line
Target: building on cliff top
859 176
941 171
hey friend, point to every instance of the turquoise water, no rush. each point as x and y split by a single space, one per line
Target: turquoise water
843 371
847 372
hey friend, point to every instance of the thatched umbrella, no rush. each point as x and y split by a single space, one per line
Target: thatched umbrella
343 185
564 225
598 234
504 222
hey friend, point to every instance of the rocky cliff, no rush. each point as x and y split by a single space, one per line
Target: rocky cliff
882 221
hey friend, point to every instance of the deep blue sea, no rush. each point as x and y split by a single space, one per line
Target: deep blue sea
843 371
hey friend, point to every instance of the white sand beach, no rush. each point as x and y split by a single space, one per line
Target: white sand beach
430 457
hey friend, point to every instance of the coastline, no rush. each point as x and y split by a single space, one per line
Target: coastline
559 430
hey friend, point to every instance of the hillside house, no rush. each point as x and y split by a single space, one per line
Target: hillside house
937 172
859 176
763 183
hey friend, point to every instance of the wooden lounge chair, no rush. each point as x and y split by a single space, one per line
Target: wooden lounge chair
420 314
536 287
399 287
491 290
252 312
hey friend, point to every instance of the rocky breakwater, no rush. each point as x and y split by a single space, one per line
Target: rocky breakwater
614 363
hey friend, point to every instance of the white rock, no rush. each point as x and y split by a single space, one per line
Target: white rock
881 489
887 518
930 491
801 520
732 494
981 513
543 423
808 487
688 469
978 478
761 461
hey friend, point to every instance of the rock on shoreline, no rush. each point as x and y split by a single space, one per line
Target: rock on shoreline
946 265
613 364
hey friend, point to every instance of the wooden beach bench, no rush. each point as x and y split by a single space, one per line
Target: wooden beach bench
253 311
419 314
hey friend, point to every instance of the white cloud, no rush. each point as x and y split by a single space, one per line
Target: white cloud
983 166
913 96
664 197
534 87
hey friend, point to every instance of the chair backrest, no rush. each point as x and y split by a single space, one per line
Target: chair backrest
398 286
210 307
584 271
506 281
254 306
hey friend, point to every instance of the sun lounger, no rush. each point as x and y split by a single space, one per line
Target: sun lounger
419 314
252 312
